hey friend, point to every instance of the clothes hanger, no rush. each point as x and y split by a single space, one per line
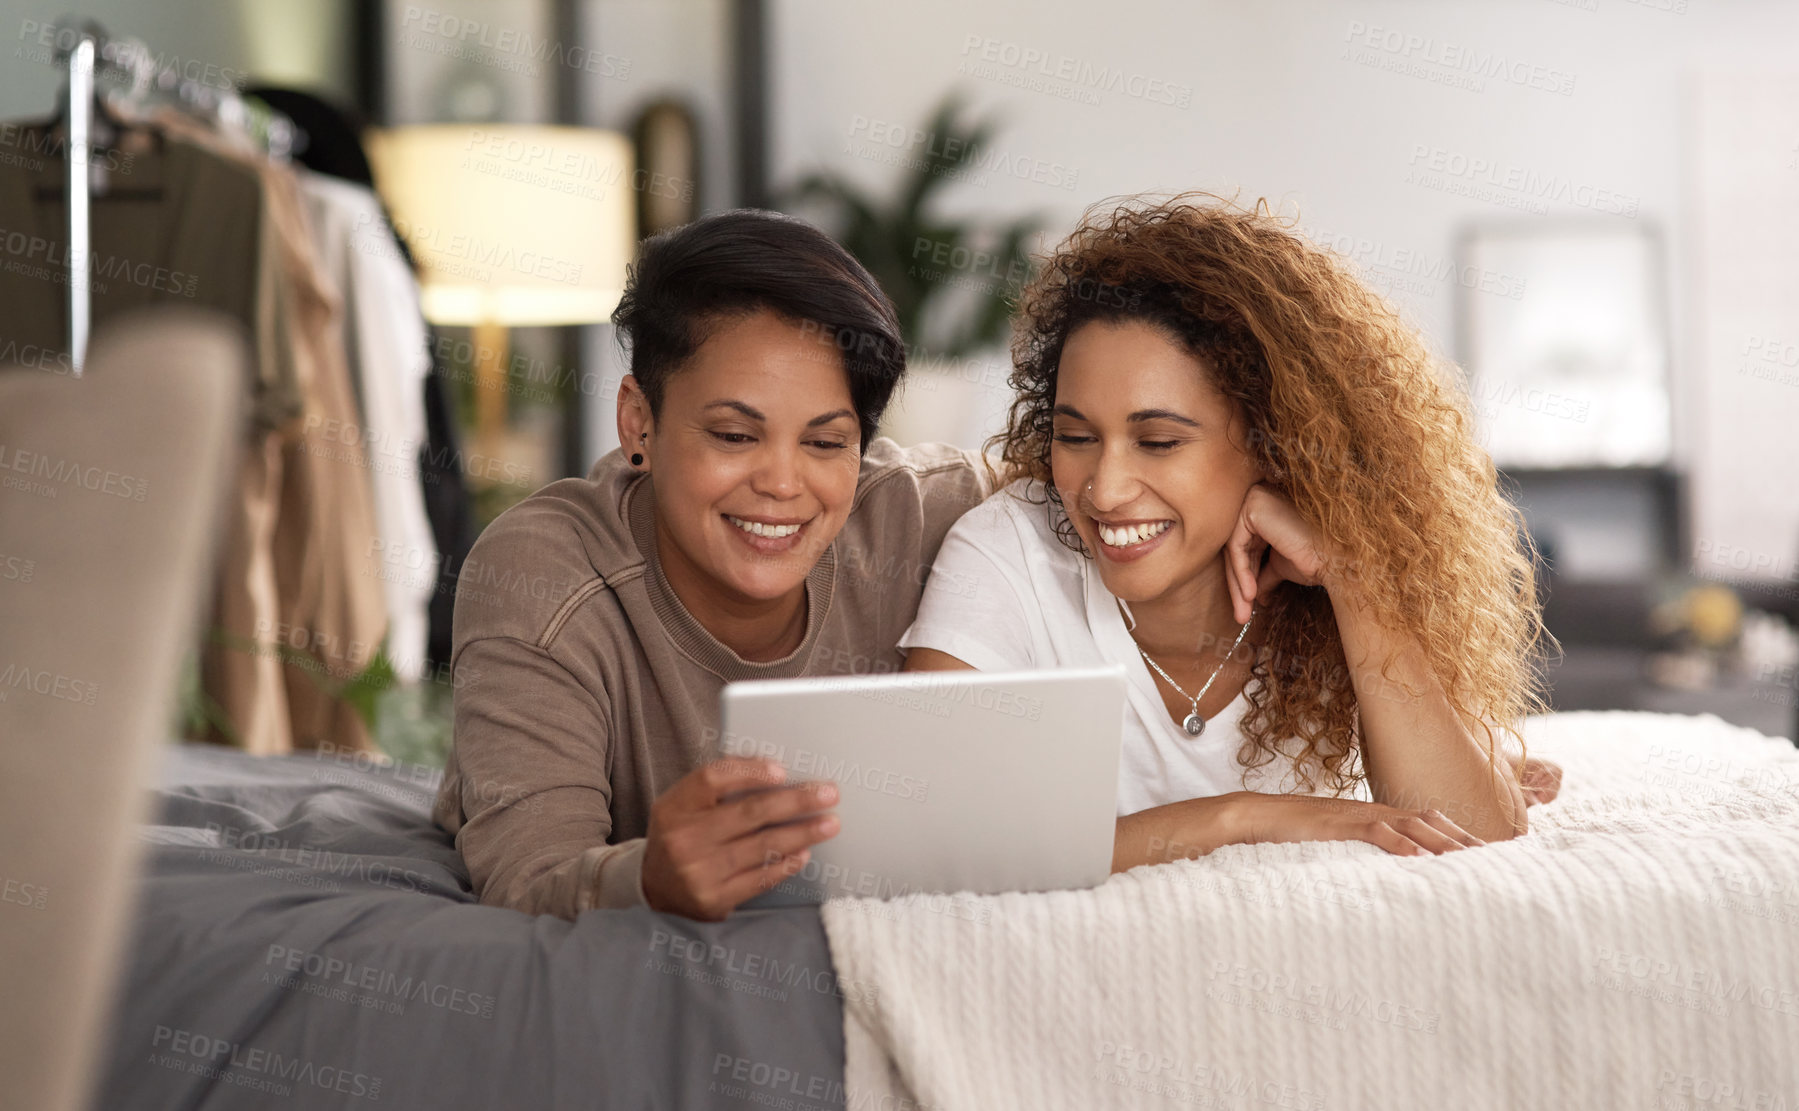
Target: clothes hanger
115 118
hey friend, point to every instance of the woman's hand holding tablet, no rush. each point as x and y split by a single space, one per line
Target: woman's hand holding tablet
728 831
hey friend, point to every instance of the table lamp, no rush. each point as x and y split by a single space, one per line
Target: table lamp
512 225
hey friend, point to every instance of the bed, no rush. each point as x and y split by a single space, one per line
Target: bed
1638 949
304 937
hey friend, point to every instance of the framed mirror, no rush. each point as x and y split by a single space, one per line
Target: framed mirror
1562 327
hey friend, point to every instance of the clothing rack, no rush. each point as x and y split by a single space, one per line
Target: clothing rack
90 54
82 59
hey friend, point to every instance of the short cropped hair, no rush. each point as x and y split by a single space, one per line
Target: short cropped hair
689 279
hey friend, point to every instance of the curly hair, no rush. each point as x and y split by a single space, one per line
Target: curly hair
1351 417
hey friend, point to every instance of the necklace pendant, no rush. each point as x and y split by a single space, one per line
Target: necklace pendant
1194 725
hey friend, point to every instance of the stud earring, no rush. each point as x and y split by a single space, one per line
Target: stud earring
637 456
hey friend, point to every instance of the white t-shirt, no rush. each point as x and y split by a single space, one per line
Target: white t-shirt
1006 595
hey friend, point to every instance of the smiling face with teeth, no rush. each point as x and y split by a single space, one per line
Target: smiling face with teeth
1150 469
754 456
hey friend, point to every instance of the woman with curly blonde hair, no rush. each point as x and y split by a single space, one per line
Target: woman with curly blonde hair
1235 470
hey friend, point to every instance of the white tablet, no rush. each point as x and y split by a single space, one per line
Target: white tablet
947 780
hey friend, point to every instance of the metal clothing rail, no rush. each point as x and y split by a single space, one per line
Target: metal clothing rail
90 53
80 120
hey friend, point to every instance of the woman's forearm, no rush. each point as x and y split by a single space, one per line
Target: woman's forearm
1176 831
1416 750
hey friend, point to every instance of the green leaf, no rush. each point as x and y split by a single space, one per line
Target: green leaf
885 235
365 689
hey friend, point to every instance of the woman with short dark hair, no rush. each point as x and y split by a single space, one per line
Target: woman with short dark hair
749 527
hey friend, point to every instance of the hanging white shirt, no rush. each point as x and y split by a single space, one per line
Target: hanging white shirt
1005 595
386 342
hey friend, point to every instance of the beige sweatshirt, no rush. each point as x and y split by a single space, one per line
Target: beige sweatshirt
584 689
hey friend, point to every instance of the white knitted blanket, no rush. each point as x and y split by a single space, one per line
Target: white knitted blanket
1638 949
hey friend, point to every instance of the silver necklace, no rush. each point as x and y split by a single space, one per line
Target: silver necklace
1194 724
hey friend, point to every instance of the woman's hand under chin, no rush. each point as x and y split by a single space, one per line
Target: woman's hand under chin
1268 523
1415 745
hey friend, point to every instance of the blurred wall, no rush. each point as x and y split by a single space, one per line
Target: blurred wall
302 43
675 49
501 59
1358 117
1362 118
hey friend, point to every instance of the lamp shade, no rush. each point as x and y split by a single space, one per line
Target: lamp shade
511 224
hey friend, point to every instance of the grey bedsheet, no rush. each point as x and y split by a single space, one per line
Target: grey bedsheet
305 938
